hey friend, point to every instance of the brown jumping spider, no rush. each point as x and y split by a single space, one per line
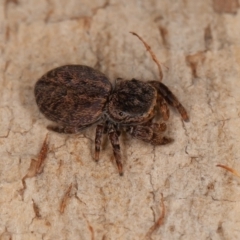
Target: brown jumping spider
77 96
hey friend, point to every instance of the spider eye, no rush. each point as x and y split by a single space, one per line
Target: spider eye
121 114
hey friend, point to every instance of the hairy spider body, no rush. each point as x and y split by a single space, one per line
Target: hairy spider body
77 96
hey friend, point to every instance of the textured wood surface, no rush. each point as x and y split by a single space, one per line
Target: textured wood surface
69 196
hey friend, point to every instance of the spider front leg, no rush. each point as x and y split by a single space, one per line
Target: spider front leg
154 126
113 136
150 134
170 98
158 127
163 107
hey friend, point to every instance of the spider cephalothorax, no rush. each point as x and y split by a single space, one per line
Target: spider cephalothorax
132 102
77 96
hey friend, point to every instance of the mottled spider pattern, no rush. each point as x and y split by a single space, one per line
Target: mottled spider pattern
76 97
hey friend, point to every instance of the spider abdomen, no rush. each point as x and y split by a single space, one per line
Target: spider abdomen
72 95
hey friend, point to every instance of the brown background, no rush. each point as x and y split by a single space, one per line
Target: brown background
199 42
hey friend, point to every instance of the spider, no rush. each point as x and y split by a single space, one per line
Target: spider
77 96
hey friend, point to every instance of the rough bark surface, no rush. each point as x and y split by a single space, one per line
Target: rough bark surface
72 197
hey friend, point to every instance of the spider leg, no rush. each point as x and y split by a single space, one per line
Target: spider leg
156 126
163 107
113 136
150 134
98 138
67 129
159 127
64 129
157 139
154 58
170 98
